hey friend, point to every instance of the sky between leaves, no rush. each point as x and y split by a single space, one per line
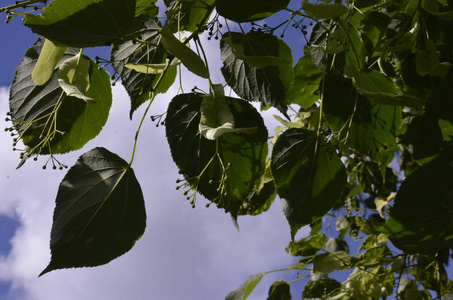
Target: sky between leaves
185 253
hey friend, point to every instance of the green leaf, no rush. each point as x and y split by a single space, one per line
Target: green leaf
381 90
223 170
329 262
279 290
186 55
266 84
307 246
309 176
420 220
83 23
324 11
307 77
149 52
188 15
48 120
73 77
99 213
249 10
49 56
244 290
263 194
146 7
368 128
321 288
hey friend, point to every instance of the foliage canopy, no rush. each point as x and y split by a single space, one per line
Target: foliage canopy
365 140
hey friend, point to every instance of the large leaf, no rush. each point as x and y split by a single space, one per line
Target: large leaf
265 81
149 51
380 89
309 176
249 10
45 111
324 11
146 7
368 128
223 170
420 220
83 23
99 212
307 77
188 15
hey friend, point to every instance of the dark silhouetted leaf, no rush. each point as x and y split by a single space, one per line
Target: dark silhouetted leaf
138 85
420 220
309 176
99 212
249 10
266 84
279 290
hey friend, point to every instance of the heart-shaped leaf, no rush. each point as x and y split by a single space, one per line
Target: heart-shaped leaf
99 212
308 174
223 170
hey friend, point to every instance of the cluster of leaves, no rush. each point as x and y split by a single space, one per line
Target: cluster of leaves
369 103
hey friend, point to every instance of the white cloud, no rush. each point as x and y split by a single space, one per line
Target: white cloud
185 253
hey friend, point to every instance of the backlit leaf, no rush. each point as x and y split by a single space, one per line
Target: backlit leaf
223 170
306 83
83 23
73 77
99 212
244 290
49 56
37 111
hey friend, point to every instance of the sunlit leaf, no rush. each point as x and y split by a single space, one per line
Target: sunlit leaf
73 77
307 77
187 56
49 56
99 212
83 23
188 15
307 246
45 111
244 290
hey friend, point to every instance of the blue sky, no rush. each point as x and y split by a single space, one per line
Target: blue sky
185 253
